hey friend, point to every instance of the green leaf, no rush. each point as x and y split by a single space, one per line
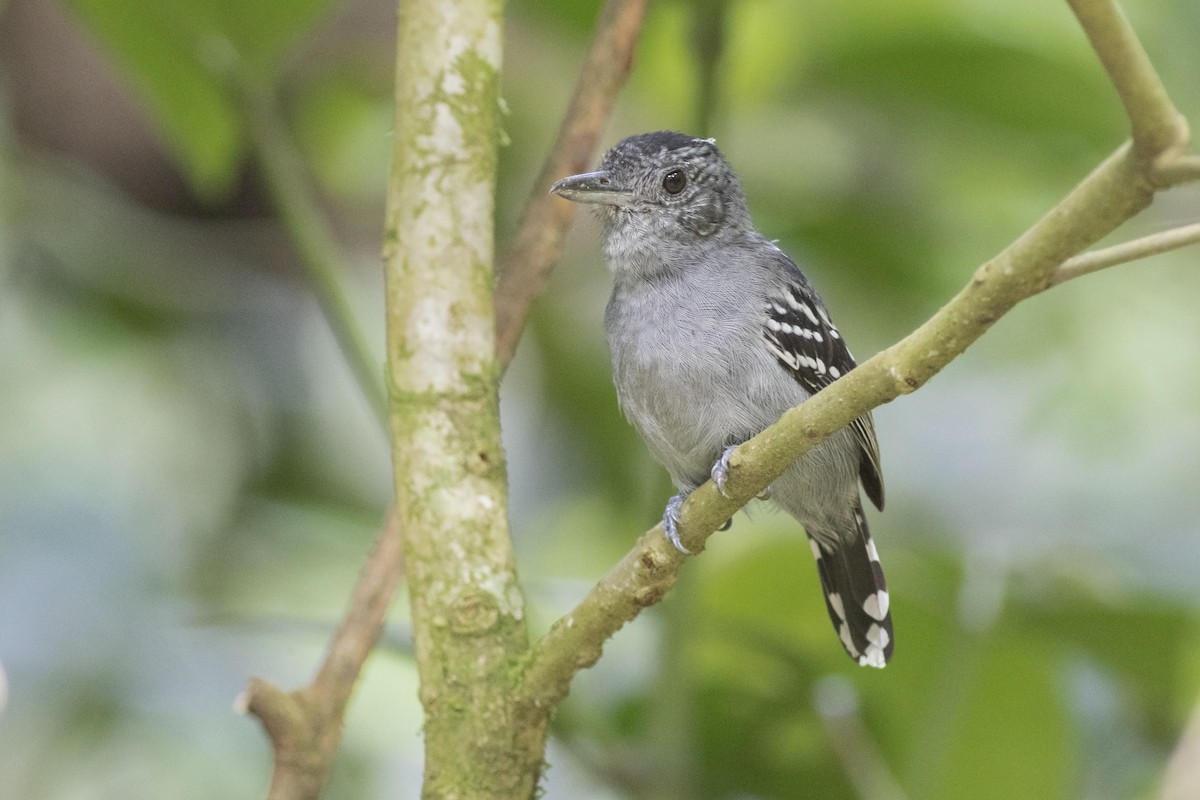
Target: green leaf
186 61
1010 733
1142 641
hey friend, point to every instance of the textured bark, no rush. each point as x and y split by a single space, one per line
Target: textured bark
467 608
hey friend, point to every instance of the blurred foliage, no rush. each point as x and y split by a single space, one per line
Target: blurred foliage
189 478
190 62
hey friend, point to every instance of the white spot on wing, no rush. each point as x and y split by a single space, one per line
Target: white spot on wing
802 307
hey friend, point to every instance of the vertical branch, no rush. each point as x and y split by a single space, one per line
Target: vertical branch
708 42
467 607
547 218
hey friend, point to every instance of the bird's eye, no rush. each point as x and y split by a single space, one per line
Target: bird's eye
674 181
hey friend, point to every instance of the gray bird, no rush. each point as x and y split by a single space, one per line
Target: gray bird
714 333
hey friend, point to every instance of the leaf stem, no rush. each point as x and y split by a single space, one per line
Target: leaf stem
310 234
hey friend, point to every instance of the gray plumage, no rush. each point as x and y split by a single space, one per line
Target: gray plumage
714 333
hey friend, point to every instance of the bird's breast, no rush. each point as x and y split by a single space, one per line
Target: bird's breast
692 372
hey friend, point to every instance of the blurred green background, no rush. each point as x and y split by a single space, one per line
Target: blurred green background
190 477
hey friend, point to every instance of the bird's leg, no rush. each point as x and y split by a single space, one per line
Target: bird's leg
670 522
720 475
720 470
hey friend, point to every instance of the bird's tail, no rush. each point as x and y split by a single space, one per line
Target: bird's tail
855 592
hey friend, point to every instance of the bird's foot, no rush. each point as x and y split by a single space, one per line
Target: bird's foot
720 470
670 523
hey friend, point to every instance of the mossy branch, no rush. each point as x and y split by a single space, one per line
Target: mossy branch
468 615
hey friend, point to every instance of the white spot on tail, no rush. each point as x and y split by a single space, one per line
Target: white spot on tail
844 635
872 553
877 640
876 605
816 548
872 658
835 602
878 636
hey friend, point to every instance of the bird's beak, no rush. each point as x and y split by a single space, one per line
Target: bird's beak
593 187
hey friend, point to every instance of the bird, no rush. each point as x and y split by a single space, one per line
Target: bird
713 333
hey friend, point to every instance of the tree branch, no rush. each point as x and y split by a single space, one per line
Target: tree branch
305 726
1125 252
546 218
1159 130
1114 192
1173 171
468 614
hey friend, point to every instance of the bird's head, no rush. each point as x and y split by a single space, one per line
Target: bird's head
659 192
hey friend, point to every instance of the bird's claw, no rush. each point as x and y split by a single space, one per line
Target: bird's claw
720 470
670 523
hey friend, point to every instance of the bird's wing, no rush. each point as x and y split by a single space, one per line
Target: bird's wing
806 343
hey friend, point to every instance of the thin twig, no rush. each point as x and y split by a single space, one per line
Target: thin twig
360 628
309 232
1125 252
546 218
1158 128
1182 779
836 702
1177 170
305 726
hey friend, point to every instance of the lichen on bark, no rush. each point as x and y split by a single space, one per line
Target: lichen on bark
468 612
